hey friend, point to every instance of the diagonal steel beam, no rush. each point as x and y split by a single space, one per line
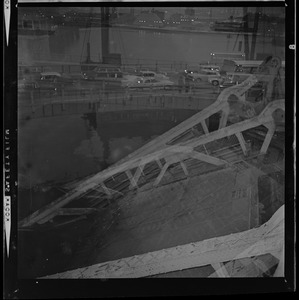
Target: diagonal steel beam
220 270
242 142
204 126
268 138
184 167
134 179
161 174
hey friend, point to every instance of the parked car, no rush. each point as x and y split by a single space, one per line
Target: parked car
231 79
103 73
57 78
54 82
151 75
209 67
151 83
197 74
28 80
129 79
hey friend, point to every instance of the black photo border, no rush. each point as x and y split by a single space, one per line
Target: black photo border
16 288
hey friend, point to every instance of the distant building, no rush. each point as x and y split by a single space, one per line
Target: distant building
148 19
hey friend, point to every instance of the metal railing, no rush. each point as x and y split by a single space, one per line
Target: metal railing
36 105
71 63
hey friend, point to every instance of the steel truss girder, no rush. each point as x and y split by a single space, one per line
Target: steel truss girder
268 238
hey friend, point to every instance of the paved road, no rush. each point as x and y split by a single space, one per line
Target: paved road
93 89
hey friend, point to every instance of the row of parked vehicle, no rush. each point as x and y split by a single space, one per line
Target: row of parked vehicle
230 73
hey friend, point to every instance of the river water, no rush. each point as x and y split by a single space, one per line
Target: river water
139 46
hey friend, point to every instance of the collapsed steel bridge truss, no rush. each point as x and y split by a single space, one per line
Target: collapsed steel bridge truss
159 151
